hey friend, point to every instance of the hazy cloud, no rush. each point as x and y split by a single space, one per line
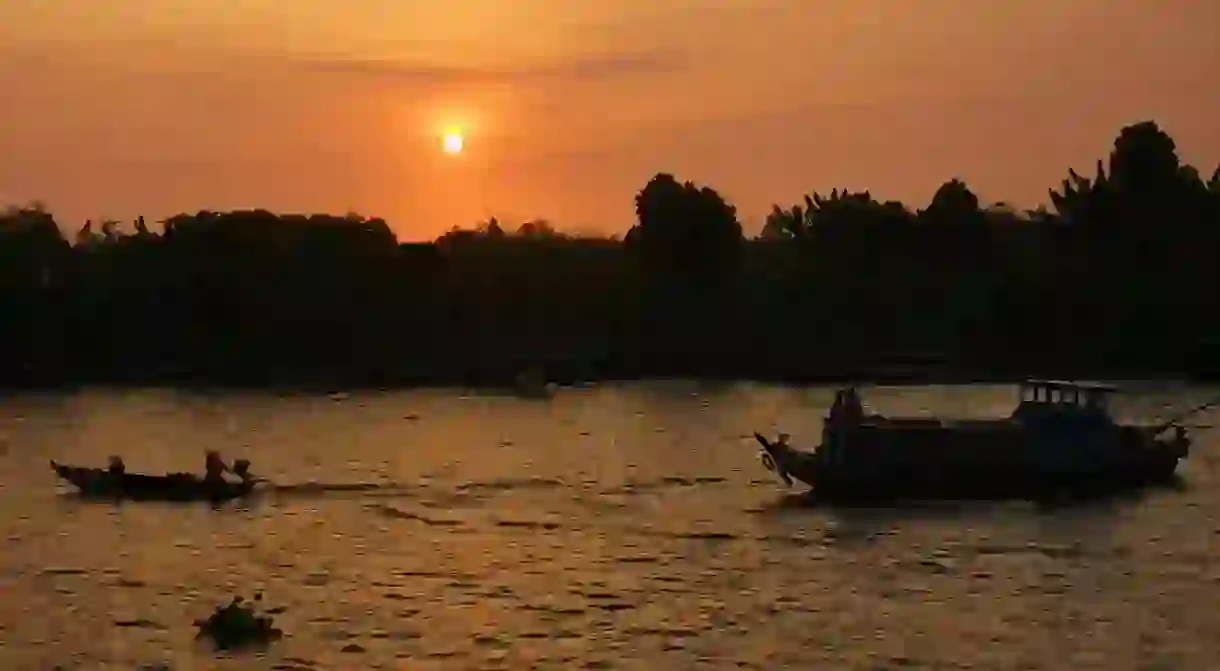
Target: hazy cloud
592 68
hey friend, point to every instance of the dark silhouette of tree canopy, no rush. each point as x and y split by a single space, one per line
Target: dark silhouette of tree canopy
1144 161
1079 199
953 202
1117 277
685 232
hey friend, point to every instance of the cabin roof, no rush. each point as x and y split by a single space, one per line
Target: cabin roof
1065 384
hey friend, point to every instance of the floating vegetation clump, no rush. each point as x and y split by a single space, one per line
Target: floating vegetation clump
238 625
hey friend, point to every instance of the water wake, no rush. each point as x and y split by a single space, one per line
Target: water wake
316 488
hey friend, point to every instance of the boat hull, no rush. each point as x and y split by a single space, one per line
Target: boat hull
895 465
100 483
990 484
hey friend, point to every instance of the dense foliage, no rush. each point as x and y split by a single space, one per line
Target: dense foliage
1119 278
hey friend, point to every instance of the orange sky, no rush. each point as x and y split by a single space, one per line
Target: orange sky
158 106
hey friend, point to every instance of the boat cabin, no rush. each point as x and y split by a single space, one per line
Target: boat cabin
1058 397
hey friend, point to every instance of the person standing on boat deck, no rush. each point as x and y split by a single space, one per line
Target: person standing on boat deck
836 408
852 406
834 419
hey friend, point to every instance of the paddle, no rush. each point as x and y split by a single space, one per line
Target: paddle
257 479
241 468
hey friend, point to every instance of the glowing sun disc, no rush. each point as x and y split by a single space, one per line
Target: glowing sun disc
452 143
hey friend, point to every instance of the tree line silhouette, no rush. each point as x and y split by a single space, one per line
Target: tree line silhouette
1117 278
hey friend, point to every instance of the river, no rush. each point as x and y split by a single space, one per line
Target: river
613 527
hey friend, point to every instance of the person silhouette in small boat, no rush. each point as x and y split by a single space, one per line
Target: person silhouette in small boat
116 466
214 469
241 468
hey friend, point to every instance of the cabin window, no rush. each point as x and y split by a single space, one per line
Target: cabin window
1067 397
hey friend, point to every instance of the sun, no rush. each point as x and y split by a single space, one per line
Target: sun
452 142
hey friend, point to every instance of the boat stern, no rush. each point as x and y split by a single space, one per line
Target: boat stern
67 473
82 478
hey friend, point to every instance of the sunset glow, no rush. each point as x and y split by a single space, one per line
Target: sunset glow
323 106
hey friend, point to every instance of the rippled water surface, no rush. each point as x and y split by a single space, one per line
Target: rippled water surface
611 527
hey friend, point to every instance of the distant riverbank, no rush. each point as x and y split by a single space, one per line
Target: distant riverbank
1117 282
584 373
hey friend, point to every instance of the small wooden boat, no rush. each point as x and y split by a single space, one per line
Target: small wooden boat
105 483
